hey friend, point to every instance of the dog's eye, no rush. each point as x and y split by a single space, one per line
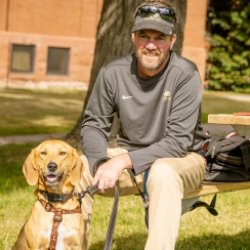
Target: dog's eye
62 153
43 153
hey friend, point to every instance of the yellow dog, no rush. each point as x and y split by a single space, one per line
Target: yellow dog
56 220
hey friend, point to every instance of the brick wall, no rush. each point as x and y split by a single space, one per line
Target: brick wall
82 51
72 24
46 23
57 17
194 44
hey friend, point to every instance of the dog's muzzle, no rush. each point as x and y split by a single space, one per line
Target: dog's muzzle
52 177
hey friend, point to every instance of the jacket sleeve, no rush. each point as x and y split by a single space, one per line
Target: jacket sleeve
179 133
97 123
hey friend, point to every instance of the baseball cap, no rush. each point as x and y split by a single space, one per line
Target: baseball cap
155 15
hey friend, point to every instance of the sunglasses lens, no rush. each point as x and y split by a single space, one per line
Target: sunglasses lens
165 13
147 10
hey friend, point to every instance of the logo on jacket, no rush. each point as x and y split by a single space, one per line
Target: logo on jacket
166 96
125 97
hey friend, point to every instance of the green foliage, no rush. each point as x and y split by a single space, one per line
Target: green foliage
229 54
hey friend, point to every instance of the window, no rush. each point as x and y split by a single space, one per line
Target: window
58 61
22 58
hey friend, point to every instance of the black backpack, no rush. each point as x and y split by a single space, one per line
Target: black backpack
228 157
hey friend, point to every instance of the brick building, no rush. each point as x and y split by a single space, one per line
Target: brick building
52 42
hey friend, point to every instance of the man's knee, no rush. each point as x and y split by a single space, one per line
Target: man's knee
162 172
164 168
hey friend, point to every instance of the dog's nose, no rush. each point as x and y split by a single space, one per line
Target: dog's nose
52 166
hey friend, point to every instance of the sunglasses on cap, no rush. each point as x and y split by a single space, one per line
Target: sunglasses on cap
166 13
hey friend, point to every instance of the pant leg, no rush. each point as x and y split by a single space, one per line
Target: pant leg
169 179
125 184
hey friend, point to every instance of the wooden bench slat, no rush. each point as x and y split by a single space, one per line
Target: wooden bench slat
209 187
228 119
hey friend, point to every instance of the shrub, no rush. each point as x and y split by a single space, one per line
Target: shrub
229 53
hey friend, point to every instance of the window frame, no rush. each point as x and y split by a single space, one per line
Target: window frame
32 55
65 69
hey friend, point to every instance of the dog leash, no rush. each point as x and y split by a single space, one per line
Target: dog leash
111 227
91 190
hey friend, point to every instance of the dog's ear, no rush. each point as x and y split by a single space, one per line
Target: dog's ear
30 169
76 173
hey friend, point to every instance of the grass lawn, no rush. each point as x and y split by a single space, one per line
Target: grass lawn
38 112
224 103
50 112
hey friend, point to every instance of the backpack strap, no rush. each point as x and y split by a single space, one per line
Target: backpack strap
210 207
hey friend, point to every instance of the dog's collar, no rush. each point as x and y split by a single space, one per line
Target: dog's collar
61 198
51 197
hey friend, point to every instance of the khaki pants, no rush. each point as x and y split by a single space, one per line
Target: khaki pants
169 179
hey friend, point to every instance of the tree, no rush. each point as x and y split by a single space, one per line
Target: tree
113 40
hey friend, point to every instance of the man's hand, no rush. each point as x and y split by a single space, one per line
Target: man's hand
109 172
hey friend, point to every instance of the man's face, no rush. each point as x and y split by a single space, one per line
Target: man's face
152 49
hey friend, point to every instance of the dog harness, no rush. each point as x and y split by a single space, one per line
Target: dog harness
58 212
58 217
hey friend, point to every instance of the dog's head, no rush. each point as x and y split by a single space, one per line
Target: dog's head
53 164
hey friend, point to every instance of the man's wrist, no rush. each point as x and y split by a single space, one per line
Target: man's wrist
125 161
98 163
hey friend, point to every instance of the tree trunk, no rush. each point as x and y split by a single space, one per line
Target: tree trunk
114 40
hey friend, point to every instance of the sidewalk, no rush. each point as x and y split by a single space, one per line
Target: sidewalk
19 139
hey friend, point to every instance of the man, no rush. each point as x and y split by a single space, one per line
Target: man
157 97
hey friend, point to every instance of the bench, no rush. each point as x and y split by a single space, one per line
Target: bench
209 187
240 122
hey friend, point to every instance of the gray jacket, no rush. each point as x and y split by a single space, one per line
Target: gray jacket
157 116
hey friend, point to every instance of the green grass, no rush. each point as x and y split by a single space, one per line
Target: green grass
37 112
230 230
224 103
199 230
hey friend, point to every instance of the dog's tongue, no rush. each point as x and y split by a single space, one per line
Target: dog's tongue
51 178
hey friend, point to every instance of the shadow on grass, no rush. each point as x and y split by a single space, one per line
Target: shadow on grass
132 242
207 242
238 241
